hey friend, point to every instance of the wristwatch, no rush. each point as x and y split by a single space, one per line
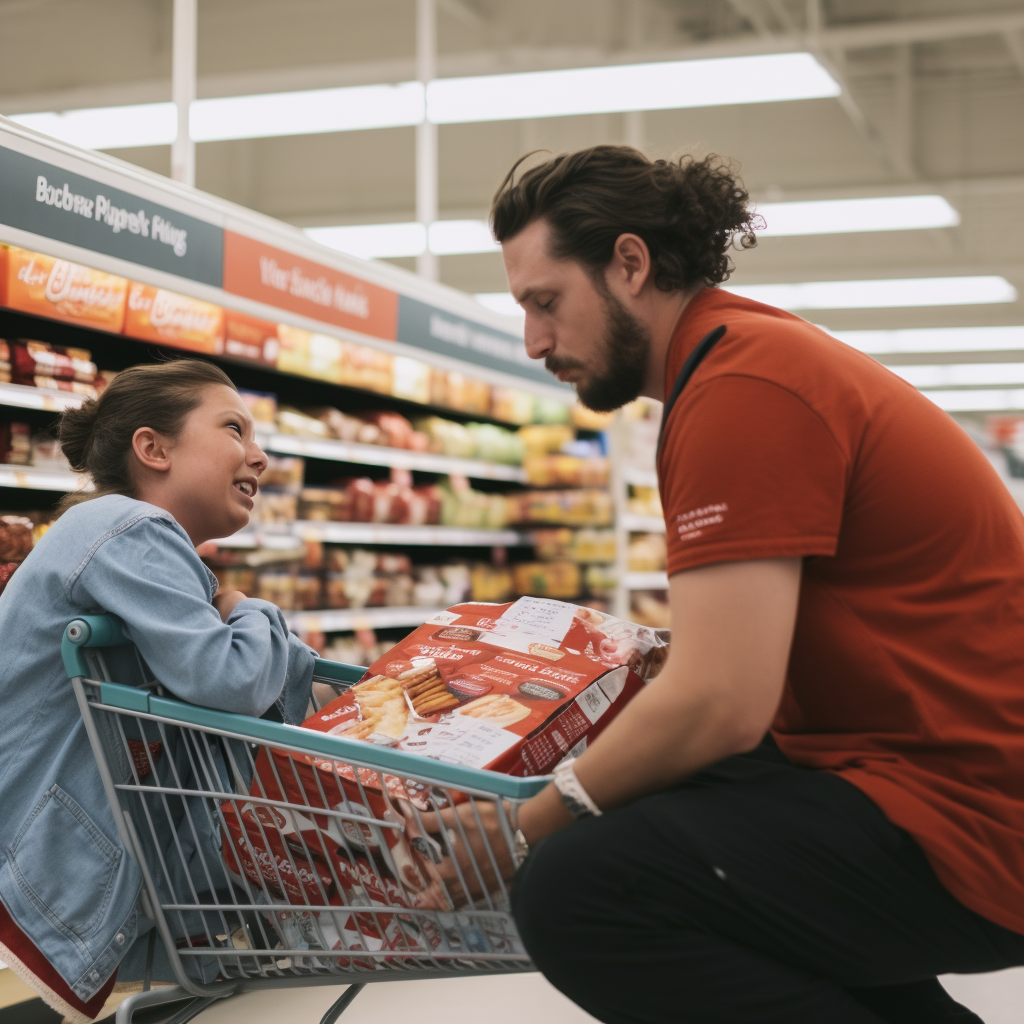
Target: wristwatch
520 848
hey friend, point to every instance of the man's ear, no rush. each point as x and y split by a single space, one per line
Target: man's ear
631 262
151 449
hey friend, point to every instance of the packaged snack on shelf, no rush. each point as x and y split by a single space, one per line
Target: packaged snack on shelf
512 688
365 367
47 454
584 507
496 444
261 404
249 338
644 501
309 591
273 507
35 361
236 577
277 587
16 444
284 473
155 314
309 355
647 552
410 380
45 286
562 580
5 362
321 504
490 583
550 410
512 405
301 424
565 471
446 437
601 580
544 438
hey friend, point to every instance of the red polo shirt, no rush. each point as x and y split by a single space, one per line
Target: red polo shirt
907 670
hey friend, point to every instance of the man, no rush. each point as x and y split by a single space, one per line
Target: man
846 576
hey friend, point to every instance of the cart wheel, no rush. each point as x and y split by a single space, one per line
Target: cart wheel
342 1004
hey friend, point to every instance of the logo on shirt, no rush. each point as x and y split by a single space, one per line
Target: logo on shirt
692 525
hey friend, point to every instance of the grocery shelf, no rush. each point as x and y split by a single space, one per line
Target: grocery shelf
646 581
22 396
337 620
639 477
642 524
391 533
378 455
36 479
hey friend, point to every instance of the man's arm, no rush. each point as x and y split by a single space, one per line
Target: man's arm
732 626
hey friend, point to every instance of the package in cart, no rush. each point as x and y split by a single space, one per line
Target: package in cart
510 687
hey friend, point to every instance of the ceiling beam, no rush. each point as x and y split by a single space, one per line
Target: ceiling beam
480 62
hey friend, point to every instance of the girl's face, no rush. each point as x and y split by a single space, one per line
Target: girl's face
214 466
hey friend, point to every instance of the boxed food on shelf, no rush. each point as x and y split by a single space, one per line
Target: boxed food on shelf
249 338
584 507
156 314
647 552
562 580
283 472
261 404
309 355
365 367
470 509
61 290
491 583
5 362
582 545
511 687
644 501
445 437
545 438
565 471
511 405
455 390
39 364
16 443
495 444
410 380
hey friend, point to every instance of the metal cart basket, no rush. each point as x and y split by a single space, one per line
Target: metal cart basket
273 856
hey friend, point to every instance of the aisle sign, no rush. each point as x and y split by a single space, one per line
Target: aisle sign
49 201
282 279
437 330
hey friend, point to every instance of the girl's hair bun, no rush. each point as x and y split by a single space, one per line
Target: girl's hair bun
75 432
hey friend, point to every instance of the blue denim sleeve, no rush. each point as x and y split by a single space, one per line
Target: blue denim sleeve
150 576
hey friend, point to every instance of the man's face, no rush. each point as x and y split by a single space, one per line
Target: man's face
584 334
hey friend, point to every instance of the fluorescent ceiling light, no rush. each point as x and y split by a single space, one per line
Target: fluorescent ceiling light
882 294
385 241
500 302
662 86
146 124
952 375
454 237
977 401
305 113
840 216
935 339
373 241
671 85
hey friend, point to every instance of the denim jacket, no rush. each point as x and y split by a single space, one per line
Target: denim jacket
65 877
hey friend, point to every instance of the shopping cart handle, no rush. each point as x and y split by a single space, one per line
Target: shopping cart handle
89 631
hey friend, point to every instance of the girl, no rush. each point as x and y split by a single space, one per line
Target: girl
171 451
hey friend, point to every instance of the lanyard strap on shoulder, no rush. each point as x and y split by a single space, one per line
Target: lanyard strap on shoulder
695 358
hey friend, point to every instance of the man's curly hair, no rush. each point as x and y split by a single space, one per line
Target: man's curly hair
689 212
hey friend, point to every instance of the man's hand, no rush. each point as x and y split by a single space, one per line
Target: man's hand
469 873
225 600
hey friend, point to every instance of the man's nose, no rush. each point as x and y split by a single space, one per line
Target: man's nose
539 342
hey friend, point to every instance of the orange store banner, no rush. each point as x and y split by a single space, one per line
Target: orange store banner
279 278
61 290
168 318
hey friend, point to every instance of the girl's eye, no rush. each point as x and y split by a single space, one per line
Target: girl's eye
237 427
545 305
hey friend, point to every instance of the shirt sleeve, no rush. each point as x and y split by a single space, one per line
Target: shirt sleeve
748 470
150 577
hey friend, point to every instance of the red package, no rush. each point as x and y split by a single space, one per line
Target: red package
33 359
397 430
358 498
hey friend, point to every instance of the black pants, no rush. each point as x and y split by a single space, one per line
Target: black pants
756 892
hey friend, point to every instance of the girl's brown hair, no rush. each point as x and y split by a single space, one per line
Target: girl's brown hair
97 437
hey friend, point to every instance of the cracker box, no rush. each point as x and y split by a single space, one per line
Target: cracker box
155 314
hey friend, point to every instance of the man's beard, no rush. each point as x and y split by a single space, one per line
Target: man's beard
615 376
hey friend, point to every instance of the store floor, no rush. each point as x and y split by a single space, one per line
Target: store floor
996 998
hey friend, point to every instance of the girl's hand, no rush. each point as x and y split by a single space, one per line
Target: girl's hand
225 600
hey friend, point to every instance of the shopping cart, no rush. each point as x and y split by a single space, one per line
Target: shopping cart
308 893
